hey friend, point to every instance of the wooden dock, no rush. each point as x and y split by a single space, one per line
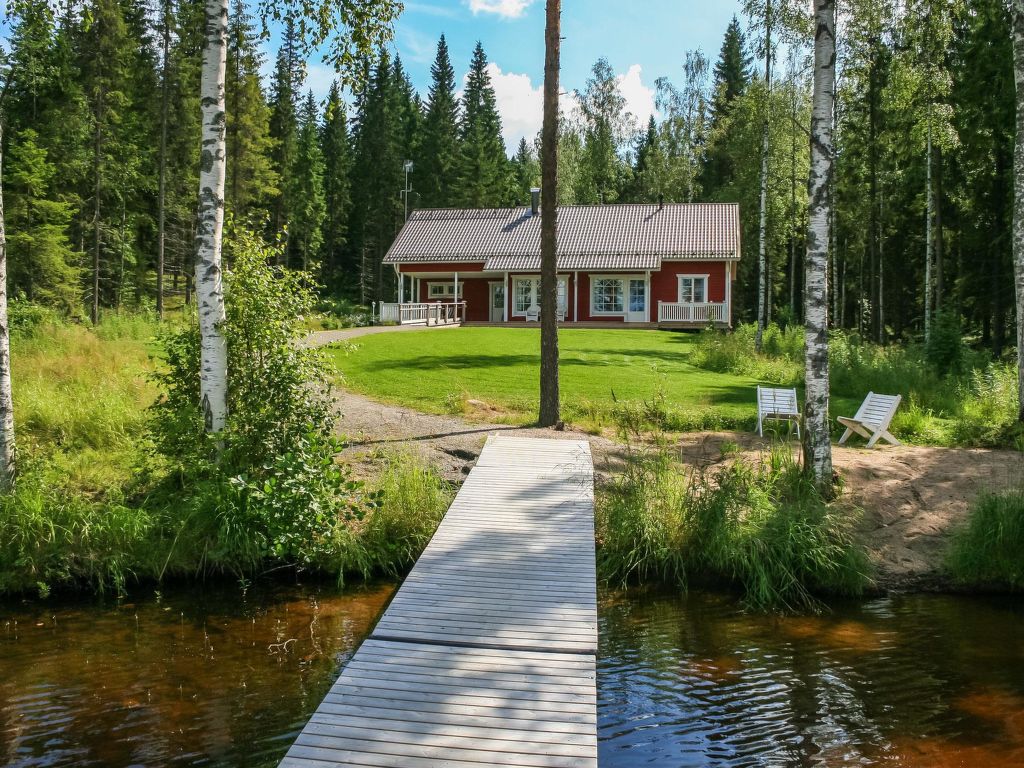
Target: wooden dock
486 655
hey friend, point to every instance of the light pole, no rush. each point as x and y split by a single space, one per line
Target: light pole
408 189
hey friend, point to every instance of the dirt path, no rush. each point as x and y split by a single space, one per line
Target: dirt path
912 497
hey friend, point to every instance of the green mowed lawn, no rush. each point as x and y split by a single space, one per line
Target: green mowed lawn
438 371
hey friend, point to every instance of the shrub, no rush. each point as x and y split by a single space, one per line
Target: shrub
763 527
987 551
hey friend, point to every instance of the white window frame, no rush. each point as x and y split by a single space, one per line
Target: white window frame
679 287
623 281
448 287
563 293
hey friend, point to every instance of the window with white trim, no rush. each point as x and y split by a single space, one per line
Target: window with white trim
442 290
693 289
607 296
526 291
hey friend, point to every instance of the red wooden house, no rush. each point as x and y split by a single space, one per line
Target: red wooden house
654 265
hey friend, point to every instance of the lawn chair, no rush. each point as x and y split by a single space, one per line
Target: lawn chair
778 404
872 419
533 314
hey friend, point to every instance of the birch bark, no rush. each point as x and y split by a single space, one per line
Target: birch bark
213 374
817 442
6 398
1018 189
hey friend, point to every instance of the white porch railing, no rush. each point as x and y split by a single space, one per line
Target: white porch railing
436 313
672 312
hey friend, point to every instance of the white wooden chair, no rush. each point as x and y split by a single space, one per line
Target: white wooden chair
533 314
778 404
872 419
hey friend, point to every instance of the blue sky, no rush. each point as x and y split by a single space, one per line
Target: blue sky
643 40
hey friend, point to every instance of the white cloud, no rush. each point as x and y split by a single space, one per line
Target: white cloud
521 103
639 98
508 9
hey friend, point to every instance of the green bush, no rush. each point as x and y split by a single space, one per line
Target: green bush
989 550
763 527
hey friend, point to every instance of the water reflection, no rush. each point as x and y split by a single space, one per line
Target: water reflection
214 678
902 681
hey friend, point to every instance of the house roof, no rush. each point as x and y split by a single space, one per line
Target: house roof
589 236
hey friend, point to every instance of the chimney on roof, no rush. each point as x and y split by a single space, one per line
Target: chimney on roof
535 201
661 202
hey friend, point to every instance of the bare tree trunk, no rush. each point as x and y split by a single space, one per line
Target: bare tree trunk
162 191
881 265
792 188
7 456
928 233
96 229
762 231
213 372
817 442
1018 188
550 408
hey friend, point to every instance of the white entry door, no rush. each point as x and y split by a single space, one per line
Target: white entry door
636 312
497 302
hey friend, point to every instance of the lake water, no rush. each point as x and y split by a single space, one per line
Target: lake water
220 677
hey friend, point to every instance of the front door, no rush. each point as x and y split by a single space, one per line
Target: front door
637 310
497 302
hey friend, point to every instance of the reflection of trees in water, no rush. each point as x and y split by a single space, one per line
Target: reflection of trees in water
173 677
854 684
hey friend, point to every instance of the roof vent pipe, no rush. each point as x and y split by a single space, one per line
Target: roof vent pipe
534 201
661 202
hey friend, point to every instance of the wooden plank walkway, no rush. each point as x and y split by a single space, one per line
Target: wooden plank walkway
486 655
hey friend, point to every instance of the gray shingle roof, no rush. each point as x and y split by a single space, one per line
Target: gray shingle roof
589 236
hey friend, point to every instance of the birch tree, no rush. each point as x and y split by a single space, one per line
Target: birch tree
817 443
364 24
1018 188
549 396
6 399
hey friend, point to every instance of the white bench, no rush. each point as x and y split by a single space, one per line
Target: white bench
778 404
872 419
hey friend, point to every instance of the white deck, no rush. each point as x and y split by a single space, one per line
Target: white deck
486 655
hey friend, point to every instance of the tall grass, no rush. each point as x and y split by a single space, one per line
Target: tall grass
953 397
94 506
759 526
989 550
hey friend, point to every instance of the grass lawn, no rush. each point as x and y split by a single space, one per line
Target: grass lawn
441 371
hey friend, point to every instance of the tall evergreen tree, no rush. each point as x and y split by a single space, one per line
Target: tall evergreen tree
307 188
525 171
438 157
284 124
252 182
484 172
731 77
338 267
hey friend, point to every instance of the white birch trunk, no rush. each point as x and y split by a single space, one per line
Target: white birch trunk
213 376
1018 189
762 242
6 398
817 441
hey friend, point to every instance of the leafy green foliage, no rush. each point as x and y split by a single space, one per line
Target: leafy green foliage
987 550
759 526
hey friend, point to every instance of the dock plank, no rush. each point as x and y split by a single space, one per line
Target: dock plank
486 654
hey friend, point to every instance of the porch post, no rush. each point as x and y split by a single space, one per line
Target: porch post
401 289
647 297
456 295
505 298
575 297
728 293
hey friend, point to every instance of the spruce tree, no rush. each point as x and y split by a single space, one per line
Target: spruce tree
731 77
484 172
438 158
525 172
307 189
41 261
284 123
337 265
605 130
252 182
